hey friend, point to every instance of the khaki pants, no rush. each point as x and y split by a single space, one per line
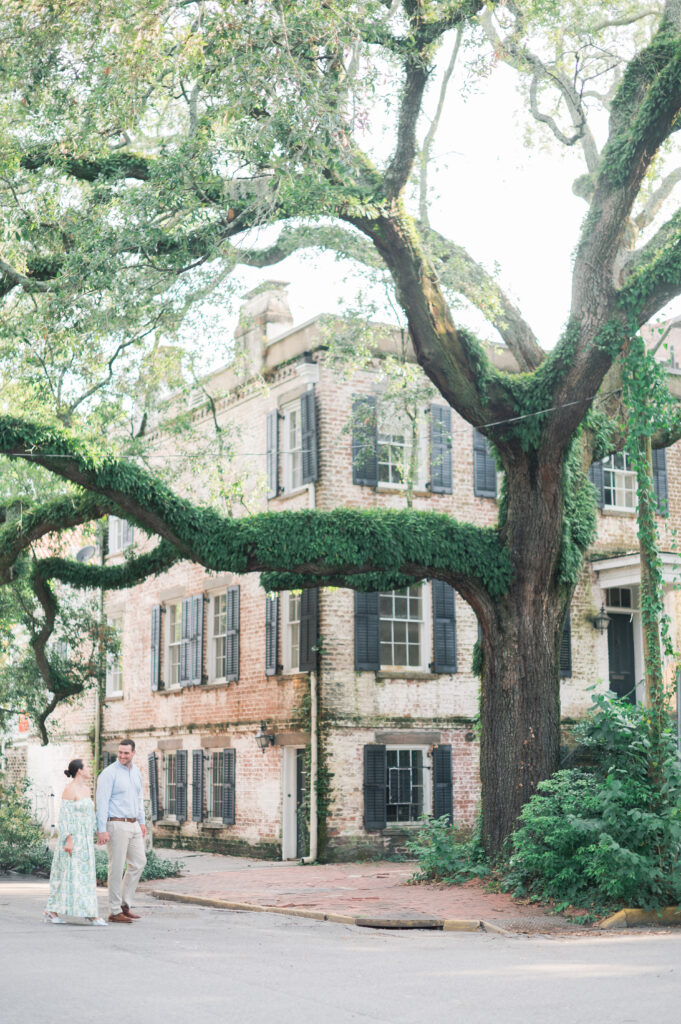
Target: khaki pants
125 844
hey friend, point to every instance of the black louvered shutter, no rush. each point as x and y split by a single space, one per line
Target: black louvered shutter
440 449
196 641
232 633
484 468
375 786
308 433
444 627
197 785
272 455
367 632
596 478
271 634
185 641
660 479
152 766
442 782
107 758
364 440
566 649
309 605
156 647
228 786
181 762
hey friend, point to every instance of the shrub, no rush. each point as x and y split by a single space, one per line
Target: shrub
609 834
446 853
23 845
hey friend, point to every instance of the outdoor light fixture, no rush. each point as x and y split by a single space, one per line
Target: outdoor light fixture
264 739
601 621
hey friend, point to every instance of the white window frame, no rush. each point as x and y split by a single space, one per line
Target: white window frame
121 534
619 480
169 769
217 640
290 602
113 686
427 772
215 756
292 446
172 642
423 622
391 426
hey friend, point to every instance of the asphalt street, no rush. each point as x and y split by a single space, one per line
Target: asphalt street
189 964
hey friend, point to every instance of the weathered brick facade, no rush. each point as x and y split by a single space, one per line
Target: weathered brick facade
414 709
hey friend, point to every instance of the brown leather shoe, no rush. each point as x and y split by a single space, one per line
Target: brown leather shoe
120 918
128 912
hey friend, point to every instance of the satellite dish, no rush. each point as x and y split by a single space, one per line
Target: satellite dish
85 554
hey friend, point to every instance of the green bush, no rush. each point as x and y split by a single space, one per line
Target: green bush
446 853
609 834
23 844
156 867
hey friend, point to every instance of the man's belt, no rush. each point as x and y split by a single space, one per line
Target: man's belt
121 819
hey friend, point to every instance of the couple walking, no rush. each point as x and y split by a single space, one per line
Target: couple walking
120 826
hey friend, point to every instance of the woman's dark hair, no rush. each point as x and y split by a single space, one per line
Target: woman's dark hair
73 768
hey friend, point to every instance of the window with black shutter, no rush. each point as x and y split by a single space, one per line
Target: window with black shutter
375 784
660 480
232 634
444 627
181 761
197 785
440 449
308 421
484 468
364 441
596 478
442 782
566 649
156 647
271 634
191 643
228 786
152 766
309 605
367 632
272 453
108 758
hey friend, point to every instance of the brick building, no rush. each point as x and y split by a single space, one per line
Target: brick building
222 685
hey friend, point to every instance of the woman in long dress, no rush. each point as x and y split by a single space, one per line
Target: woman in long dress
73 883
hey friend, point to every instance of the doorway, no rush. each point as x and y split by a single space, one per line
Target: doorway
294 840
622 672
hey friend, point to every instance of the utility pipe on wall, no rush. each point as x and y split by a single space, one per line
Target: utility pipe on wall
314 760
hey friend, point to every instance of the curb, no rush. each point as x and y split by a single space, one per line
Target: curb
422 923
630 917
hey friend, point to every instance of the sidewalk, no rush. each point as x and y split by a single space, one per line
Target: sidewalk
366 894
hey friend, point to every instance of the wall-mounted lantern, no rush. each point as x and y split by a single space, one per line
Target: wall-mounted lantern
264 739
601 621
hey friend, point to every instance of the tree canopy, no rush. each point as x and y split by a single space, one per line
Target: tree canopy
145 143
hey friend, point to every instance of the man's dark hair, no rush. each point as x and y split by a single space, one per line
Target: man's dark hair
127 743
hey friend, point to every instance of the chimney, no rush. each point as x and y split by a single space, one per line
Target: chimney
264 314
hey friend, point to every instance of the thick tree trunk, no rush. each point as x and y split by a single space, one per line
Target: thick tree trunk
520 702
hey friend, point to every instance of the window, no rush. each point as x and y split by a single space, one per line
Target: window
618 597
219 635
404 797
293 447
170 785
393 456
291 608
619 482
398 441
173 642
215 784
401 613
121 534
484 468
114 673
398 787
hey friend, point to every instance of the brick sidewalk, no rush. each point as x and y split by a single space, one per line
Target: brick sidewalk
376 891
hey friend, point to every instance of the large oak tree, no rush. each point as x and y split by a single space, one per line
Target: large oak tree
145 141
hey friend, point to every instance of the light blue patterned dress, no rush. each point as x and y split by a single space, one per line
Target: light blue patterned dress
73 885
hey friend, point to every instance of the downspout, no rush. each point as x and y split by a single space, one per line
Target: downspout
101 674
314 738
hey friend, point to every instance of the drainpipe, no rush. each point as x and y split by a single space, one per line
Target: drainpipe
314 737
101 673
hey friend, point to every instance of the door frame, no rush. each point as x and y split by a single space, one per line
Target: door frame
289 801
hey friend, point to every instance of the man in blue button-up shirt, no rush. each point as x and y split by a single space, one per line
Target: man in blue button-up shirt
120 824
